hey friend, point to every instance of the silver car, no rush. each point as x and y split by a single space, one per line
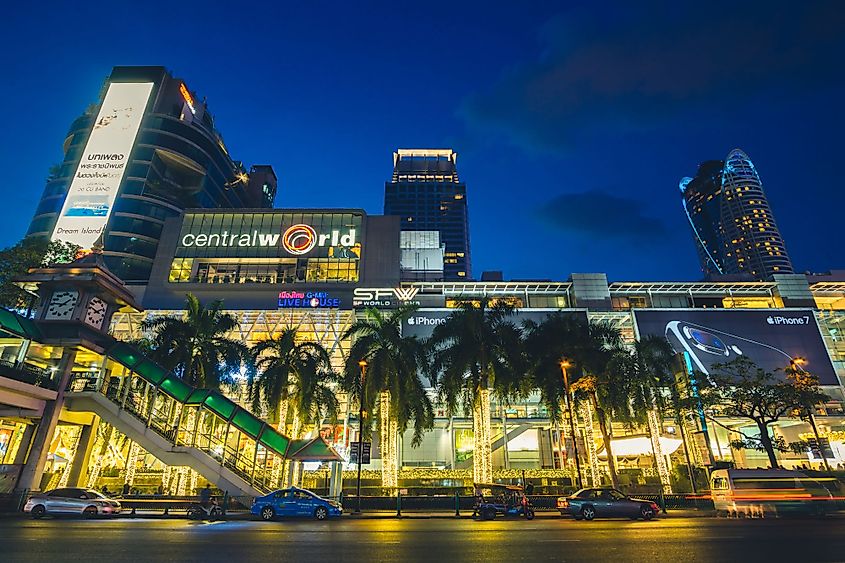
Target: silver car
86 502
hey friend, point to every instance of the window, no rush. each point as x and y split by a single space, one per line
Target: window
180 270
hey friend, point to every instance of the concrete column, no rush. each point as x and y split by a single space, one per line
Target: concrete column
26 442
79 469
33 470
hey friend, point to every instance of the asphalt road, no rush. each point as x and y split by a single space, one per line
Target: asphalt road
675 539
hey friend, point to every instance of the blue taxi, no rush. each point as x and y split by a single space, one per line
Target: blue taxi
295 502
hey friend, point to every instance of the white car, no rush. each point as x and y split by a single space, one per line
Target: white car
85 502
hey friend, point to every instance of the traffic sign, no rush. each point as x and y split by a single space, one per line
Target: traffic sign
353 452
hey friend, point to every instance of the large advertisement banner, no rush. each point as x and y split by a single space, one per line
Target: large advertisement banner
421 324
771 338
94 187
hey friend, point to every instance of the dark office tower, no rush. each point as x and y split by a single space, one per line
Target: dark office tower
427 195
147 150
734 229
261 189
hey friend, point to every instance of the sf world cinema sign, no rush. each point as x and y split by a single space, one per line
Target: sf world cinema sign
90 197
387 297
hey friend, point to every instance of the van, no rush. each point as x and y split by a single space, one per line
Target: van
767 492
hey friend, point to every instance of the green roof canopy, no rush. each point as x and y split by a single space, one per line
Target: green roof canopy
18 325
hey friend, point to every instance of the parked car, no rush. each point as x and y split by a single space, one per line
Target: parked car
587 504
769 492
295 502
86 502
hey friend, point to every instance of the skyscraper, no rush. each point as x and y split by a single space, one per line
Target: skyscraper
426 193
147 150
733 226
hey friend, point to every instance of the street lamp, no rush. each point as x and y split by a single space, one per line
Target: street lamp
363 365
563 365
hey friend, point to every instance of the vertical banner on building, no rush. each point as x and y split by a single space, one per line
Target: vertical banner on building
94 187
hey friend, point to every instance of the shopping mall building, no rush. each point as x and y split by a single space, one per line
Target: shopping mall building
315 270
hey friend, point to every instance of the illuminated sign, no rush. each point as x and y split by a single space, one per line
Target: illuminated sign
299 239
307 300
95 184
187 96
384 296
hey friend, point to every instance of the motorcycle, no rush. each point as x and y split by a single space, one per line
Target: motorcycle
211 511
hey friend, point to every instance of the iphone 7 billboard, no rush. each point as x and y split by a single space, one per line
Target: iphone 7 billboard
771 338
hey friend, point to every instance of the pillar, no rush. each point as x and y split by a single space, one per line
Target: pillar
33 470
79 469
25 443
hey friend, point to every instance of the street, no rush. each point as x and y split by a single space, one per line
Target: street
436 540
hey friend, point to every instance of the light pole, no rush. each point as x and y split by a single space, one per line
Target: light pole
795 363
563 365
363 365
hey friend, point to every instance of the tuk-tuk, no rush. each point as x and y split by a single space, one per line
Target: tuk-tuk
508 500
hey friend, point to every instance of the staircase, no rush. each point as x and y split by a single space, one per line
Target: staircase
181 425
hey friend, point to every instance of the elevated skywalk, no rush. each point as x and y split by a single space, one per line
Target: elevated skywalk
182 425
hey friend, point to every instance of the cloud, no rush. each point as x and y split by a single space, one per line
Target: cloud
601 215
641 64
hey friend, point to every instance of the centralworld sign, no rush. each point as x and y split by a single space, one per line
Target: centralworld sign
271 234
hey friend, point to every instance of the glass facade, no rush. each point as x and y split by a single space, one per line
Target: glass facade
178 162
734 228
268 247
426 193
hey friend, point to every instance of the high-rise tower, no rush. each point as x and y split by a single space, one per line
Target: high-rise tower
147 150
426 193
734 228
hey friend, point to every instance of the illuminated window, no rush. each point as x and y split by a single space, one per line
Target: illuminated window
180 270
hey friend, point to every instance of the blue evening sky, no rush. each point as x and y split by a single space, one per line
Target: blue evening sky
573 124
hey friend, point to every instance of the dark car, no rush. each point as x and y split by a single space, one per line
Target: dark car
587 504
295 502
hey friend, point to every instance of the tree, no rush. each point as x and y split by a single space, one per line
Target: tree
392 375
282 363
809 395
196 346
647 370
29 253
476 351
741 389
588 348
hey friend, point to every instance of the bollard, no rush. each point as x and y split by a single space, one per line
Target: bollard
457 505
398 505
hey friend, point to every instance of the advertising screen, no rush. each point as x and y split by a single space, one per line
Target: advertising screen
769 337
95 184
421 324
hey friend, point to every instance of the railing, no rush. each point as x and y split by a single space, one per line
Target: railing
158 419
27 374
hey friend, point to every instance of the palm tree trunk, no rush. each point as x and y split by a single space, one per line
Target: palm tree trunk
659 459
590 442
812 420
482 456
605 436
98 462
388 431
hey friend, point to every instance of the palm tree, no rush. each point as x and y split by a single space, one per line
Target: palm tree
392 375
196 347
476 351
279 362
588 347
649 369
